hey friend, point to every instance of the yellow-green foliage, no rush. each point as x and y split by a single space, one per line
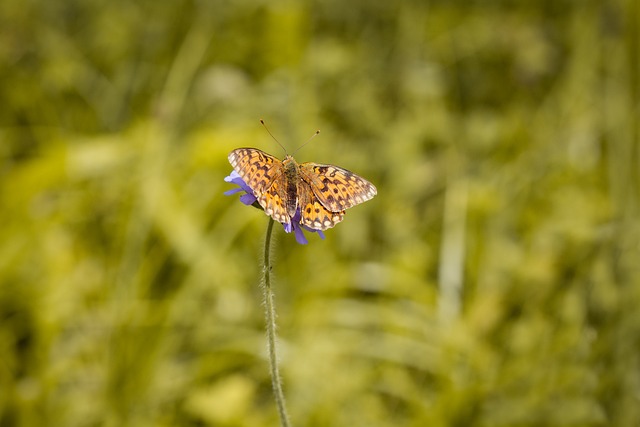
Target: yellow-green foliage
494 280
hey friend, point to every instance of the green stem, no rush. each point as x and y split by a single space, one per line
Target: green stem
270 315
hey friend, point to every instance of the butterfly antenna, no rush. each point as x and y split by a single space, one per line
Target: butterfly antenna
308 141
274 138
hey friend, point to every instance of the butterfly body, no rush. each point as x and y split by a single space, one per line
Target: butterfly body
321 192
292 178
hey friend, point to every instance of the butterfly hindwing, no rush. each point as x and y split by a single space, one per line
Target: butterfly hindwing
313 214
273 200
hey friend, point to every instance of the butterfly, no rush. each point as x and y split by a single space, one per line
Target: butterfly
322 193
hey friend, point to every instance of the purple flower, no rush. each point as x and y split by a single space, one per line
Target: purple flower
249 199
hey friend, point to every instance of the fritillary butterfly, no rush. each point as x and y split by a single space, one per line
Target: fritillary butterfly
321 192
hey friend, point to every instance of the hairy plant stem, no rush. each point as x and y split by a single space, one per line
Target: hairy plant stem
270 317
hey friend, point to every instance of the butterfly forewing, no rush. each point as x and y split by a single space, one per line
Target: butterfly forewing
256 168
336 188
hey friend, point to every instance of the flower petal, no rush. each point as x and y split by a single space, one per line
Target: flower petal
231 176
235 178
248 199
233 191
300 237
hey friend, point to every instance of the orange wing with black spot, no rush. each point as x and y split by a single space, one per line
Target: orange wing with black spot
336 188
256 168
263 173
273 200
313 213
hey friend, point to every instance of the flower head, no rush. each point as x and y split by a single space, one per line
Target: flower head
248 198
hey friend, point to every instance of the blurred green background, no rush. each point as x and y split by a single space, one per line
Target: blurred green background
494 280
